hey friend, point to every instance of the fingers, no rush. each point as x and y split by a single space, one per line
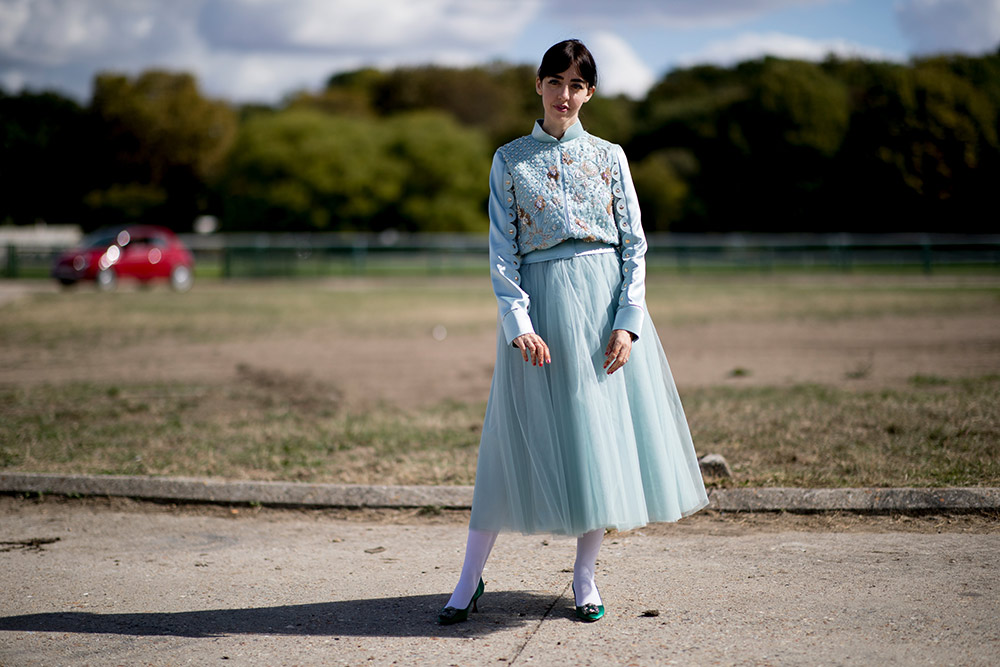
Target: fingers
618 351
534 348
540 352
520 344
618 363
543 352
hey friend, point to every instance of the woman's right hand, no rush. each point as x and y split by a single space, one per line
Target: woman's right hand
532 345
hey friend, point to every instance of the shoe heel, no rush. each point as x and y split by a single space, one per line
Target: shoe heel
475 606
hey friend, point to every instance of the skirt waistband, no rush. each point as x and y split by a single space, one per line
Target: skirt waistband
566 249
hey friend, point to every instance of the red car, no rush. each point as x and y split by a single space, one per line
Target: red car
142 252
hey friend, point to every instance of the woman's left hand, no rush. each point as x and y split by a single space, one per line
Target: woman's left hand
618 350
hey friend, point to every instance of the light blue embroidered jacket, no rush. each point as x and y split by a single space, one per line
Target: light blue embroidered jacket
554 198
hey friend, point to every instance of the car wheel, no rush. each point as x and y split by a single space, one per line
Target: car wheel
181 278
107 280
67 282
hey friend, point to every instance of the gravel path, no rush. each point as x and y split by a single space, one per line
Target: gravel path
165 587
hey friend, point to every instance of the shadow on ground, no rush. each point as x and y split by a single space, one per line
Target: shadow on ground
414 616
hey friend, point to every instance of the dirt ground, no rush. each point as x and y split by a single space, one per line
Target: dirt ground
85 587
863 352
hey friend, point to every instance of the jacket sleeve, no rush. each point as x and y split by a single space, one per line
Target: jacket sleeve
632 247
505 261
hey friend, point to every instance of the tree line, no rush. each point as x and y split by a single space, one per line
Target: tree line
771 145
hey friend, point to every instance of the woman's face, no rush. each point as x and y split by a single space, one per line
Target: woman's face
563 95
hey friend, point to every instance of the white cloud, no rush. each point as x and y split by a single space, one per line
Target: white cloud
619 67
245 49
970 26
673 13
13 17
259 50
58 32
12 80
749 46
339 26
263 77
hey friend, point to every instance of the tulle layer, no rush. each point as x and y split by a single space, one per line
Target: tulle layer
567 449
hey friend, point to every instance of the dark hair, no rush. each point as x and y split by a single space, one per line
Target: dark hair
560 57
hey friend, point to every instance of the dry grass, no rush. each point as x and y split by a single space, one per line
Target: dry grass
939 433
252 423
394 306
262 426
277 427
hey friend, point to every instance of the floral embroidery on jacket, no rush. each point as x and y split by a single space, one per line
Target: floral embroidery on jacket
523 217
570 204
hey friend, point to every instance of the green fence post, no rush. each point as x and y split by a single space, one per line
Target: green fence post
11 271
683 263
926 259
359 252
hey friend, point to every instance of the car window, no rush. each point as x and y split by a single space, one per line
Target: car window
100 239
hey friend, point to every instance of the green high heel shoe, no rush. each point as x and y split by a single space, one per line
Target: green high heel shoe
452 615
589 612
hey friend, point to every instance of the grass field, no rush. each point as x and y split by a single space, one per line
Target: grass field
814 380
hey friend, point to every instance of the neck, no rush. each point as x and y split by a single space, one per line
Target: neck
557 127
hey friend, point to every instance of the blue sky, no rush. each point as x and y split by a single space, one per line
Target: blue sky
262 50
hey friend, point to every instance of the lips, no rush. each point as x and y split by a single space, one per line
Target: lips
561 107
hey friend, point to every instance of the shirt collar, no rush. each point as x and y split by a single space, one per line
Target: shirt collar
575 130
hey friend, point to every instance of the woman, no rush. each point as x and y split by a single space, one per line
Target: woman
584 429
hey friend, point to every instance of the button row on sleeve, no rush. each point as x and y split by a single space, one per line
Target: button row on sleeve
508 183
628 238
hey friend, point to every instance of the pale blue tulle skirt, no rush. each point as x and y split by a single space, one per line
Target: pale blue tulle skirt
567 449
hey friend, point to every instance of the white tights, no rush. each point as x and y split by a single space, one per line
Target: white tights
477 550
480 543
587 546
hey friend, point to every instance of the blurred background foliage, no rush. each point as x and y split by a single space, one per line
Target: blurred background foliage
770 145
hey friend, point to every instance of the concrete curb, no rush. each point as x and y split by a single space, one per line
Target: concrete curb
207 490
295 494
865 501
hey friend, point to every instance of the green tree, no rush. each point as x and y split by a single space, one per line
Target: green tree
763 134
499 99
446 172
163 142
662 185
923 148
307 170
303 169
610 118
781 138
46 151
